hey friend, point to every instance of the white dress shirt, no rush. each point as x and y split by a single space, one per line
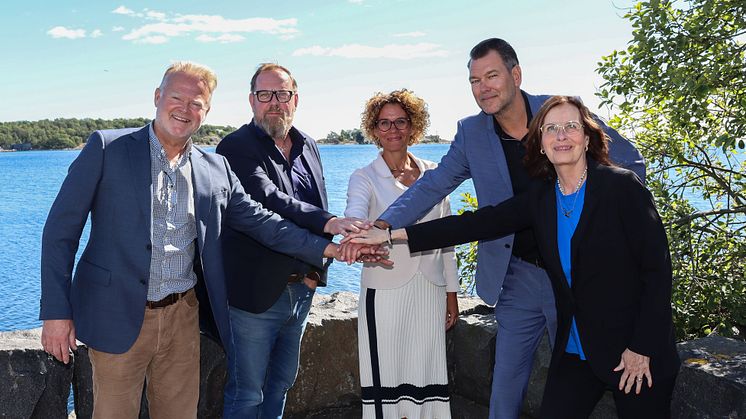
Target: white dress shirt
371 190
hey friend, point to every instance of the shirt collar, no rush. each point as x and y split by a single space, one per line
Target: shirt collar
156 148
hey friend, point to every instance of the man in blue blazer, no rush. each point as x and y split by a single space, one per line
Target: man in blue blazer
270 292
510 274
158 205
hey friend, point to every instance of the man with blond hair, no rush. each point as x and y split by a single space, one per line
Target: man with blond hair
157 205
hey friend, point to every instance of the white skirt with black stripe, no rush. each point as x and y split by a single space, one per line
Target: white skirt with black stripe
401 335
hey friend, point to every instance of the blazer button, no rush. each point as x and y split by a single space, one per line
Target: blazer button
149 246
507 246
142 281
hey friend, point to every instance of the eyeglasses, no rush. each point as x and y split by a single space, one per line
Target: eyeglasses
264 96
384 125
569 127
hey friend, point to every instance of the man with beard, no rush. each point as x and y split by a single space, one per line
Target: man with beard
270 293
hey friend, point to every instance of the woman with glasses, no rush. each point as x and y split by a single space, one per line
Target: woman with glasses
404 310
606 252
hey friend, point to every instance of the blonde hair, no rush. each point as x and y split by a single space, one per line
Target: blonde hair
413 106
200 71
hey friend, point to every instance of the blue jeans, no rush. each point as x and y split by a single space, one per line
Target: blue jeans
263 355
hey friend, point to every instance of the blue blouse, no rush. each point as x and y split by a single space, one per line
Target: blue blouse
569 208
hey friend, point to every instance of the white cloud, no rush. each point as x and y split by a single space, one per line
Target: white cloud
117 29
96 33
393 51
63 32
213 27
415 34
356 1
152 40
152 14
223 39
121 10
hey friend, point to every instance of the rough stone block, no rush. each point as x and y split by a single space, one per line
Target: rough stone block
712 379
34 385
328 375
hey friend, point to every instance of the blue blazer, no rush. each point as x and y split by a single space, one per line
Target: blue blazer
477 153
256 274
111 181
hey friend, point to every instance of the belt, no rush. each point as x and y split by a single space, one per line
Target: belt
295 278
167 300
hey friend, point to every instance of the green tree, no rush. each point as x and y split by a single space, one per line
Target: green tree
466 254
679 90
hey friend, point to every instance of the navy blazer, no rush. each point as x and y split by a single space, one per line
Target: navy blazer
256 274
621 266
111 181
477 153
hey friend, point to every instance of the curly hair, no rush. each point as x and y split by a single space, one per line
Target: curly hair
414 106
538 164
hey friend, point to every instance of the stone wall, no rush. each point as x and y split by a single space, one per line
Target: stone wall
711 384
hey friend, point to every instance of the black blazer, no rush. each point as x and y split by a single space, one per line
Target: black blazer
257 275
621 266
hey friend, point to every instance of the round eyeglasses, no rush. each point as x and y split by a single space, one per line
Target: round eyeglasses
384 125
569 127
282 96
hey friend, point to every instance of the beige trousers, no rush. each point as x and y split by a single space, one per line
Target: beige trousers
166 354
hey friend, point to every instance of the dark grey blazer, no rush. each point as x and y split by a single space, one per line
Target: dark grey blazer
111 181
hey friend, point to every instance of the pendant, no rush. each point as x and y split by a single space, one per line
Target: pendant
566 213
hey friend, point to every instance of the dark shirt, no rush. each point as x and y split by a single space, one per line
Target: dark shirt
524 242
299 173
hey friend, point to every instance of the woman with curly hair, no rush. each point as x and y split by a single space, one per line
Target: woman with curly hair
404 310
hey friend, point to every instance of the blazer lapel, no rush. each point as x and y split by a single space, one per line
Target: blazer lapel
139 155
548 209
497 151
202 184
590 203
317 175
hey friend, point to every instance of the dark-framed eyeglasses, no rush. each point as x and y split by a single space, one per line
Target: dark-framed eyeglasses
569 127
384 125
282 96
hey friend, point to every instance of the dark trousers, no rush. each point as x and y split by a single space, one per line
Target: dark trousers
573 390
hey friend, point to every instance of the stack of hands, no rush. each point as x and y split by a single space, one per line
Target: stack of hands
353 247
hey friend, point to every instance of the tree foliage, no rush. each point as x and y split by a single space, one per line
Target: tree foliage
64 133
679 90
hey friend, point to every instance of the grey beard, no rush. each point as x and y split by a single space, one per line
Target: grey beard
278 130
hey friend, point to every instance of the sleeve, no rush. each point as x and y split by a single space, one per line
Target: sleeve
359 196
64 225
271 230
489 222
645 233
260 187
450 268
434 185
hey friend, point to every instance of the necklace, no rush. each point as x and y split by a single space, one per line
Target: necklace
568 211
395 169
284 146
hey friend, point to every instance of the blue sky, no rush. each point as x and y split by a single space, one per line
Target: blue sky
104 59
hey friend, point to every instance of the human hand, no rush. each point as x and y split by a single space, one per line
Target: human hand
58 337
343 226
635 367
373 236
352 252
451 310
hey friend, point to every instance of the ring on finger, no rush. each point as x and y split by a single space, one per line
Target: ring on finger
638 379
